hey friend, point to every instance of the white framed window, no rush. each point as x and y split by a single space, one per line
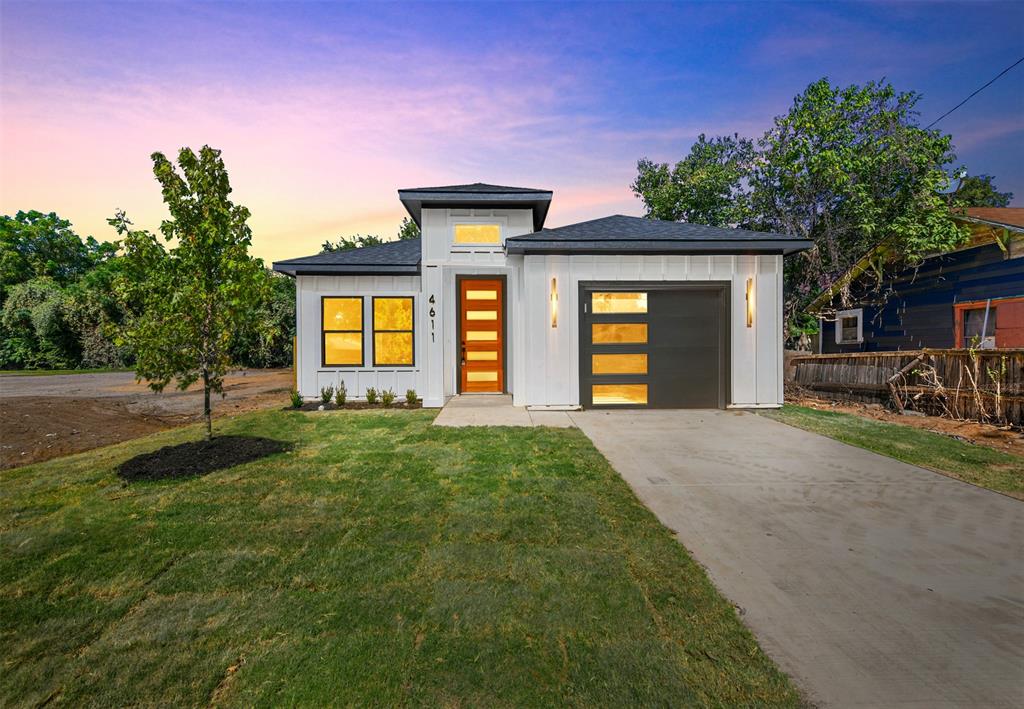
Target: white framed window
850 326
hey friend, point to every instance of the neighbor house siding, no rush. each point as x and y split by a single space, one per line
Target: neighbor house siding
548 357
313 375
919 311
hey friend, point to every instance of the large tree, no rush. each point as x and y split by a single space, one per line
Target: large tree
848 168
980 191
406 230
199 291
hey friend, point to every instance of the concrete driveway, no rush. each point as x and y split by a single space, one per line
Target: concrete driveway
871 582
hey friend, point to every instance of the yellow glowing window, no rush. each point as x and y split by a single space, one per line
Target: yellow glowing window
481 295
392 332
477 234
343 313
616 333
481 376
342 332
481 336
605 394
343 348
618 302
482 356
618 363
481 315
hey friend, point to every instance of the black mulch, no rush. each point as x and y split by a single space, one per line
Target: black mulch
198 457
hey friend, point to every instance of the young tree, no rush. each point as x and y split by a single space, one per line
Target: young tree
202 289
980 191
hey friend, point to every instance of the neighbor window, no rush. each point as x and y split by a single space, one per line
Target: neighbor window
342 332
392 332
849 328
979 327
477 234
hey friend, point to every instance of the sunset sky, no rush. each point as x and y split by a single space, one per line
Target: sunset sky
323 111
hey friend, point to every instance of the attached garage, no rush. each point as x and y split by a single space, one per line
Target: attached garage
654 345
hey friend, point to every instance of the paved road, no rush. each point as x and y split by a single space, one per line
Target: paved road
871 582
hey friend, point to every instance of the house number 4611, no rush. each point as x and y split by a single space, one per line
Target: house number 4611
432 314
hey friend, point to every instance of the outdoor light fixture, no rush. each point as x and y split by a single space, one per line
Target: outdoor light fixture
750 302
554 302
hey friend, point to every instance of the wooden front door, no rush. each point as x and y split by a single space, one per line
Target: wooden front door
482 335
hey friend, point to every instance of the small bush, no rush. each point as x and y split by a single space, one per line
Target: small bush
410 397
326 394
387 397
341 394
371 396
296 398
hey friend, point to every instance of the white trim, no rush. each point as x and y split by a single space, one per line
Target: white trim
854 313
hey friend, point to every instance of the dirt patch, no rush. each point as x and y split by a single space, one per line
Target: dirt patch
47 417
997 437
198 457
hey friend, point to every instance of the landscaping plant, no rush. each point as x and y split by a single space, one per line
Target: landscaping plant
196 294
340 394
410 396
326 394
296 398
387 397
371 396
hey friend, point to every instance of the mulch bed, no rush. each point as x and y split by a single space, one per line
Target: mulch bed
354 406
198 457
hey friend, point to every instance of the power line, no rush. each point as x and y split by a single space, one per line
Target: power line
992 81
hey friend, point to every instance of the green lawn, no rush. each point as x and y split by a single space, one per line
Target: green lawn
382 561
975 464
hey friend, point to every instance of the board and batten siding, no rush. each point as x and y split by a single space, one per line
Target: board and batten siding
547 361
313 376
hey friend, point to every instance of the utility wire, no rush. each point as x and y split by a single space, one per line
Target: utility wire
993 80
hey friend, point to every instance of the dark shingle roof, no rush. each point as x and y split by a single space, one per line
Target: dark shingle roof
393 257
477 188
477 195
622 234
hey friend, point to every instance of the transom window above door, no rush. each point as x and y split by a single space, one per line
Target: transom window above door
477 233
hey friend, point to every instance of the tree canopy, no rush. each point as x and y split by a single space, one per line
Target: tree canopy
980 191
847 167
201 290
406 230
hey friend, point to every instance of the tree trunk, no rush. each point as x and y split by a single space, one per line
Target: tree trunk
206 405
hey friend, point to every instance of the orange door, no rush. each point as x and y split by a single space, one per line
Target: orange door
482 334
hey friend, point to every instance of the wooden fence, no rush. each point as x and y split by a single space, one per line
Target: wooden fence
980 385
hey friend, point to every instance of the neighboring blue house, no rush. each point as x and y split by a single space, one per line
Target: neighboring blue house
973 295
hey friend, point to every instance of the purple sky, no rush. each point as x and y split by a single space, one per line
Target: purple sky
324 110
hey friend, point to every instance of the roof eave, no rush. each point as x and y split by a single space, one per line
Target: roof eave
538 202
655 246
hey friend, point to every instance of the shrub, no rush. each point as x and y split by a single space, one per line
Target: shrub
410 397
387 397
371 396
326 394
296 398
341 394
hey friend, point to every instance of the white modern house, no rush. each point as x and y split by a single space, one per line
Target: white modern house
614 312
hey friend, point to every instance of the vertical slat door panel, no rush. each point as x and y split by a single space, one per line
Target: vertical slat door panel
482 335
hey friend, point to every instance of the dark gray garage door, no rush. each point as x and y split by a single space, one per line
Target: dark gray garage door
654 345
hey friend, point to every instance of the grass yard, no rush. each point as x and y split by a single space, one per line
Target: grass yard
381 561
987 467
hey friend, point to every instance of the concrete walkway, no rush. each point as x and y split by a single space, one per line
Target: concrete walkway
871 582
496 410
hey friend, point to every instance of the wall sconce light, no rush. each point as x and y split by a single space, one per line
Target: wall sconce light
554 302
750 302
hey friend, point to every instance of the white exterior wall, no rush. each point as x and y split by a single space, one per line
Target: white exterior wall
313 375
548 364
443 260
